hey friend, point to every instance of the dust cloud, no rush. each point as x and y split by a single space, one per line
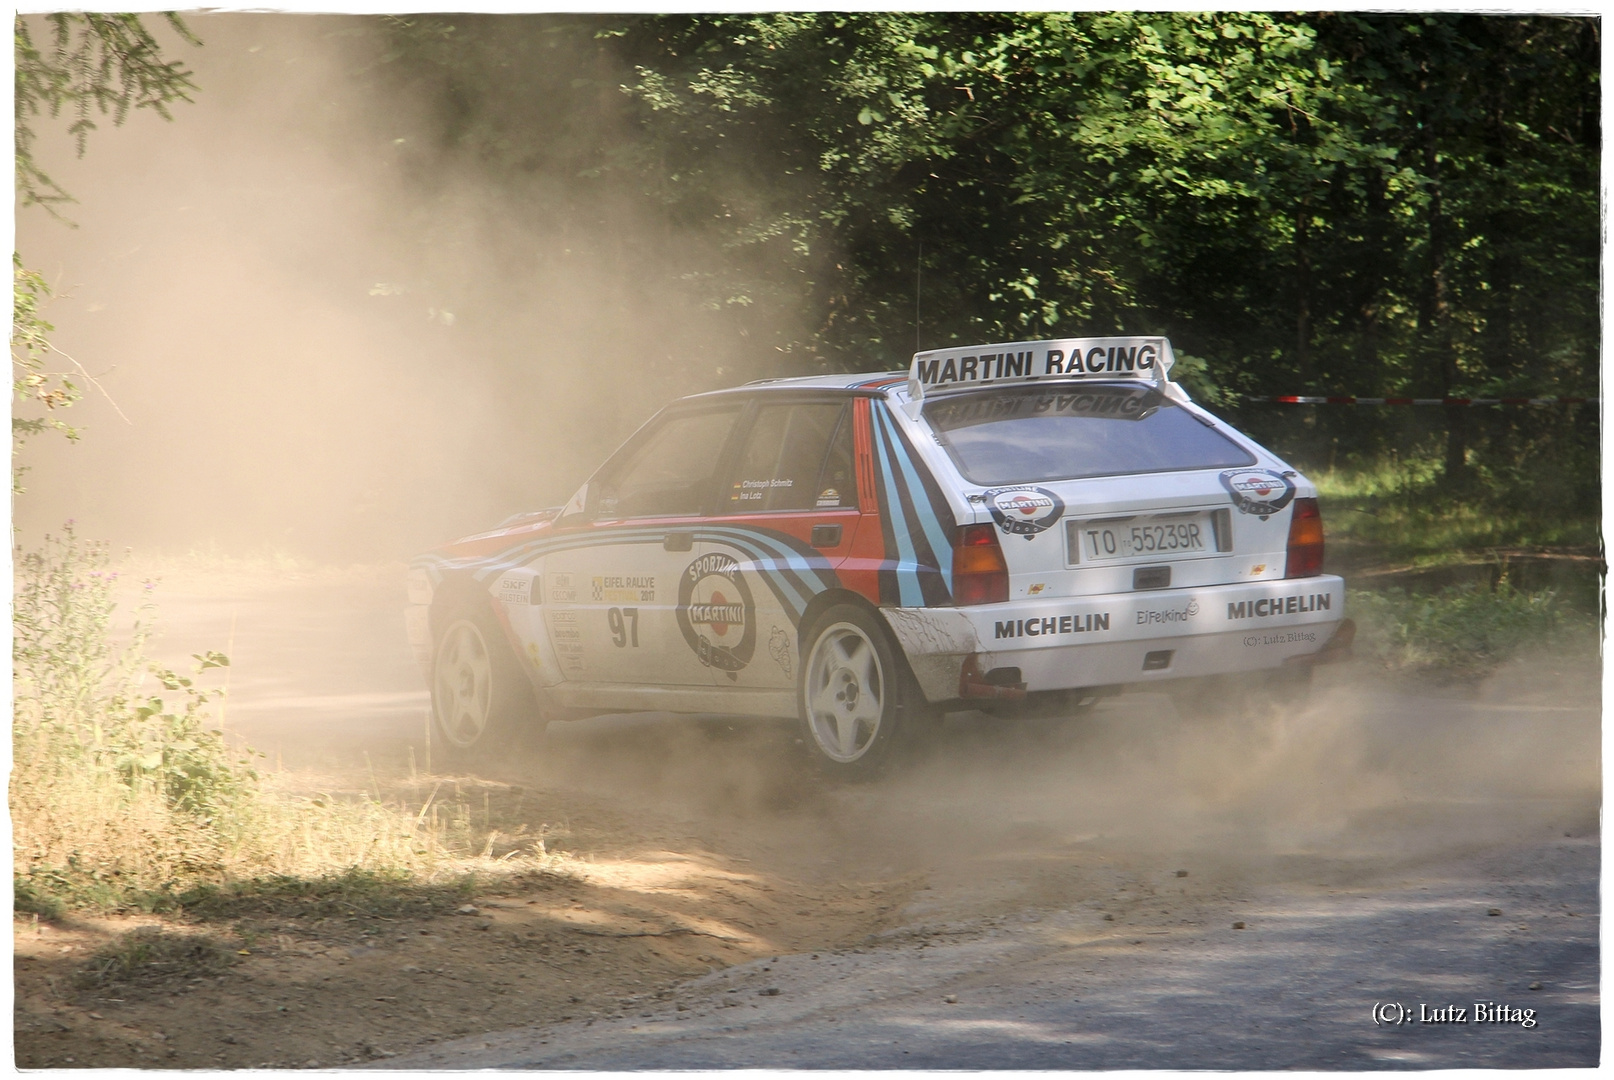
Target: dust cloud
330 334
1360 780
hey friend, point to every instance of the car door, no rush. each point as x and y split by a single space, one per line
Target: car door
789 509
611 590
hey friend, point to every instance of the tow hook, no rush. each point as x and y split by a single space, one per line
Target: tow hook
1338 648
973 684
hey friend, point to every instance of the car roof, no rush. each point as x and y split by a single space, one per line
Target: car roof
844 381
875 383
868 380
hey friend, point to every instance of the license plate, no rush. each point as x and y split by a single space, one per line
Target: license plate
1150 536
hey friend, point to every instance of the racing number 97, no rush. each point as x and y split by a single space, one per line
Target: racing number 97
624 626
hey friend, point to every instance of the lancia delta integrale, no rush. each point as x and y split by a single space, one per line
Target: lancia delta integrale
1025 526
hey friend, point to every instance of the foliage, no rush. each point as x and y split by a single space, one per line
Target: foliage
1397 507
31 382
1307 203
95 64
1461 630
82 726
126 795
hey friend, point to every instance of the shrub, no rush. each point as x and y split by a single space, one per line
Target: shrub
124 794
112 787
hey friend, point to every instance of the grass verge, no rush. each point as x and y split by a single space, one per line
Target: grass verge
152 957
125 796
1462 631
1400 510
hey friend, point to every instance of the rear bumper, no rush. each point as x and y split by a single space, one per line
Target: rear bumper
1132 637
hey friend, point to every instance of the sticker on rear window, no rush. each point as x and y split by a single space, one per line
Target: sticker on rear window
1258 491
1024 511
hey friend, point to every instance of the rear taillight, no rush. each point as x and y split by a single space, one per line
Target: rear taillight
1305 540
980 576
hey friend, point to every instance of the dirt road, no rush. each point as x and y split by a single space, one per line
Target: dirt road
1051 896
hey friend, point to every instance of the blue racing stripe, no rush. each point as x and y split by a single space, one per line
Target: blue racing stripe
909 593
793 577
935 533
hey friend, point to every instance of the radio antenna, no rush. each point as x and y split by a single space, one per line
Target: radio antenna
918 292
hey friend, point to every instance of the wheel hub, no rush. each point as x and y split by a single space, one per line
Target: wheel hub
849 691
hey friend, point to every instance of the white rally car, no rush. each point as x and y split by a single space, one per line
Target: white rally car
1028 525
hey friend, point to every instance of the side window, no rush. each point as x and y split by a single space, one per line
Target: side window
670 473
796 457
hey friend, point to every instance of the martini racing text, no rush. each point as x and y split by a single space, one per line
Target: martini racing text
1008 365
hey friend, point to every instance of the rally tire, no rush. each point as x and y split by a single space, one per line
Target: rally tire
857 702
481 699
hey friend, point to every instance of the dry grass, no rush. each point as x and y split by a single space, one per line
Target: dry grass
151 956
124 794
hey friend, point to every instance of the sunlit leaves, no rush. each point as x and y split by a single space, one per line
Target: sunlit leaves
95 65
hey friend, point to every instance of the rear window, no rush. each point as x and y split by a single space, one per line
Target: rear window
1025 434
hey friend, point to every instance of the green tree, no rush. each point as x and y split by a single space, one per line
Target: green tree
95 65
1389 204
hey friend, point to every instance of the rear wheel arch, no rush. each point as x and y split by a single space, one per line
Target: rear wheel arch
908 712
833 597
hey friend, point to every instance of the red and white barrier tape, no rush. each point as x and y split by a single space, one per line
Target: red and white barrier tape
1298 399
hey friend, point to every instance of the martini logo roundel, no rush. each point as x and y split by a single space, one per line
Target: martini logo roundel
716 613
1258 491
1024 511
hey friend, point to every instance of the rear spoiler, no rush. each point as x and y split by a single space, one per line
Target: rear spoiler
1144 359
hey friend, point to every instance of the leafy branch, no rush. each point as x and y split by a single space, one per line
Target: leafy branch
96 64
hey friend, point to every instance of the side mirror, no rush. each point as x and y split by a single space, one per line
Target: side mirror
575 506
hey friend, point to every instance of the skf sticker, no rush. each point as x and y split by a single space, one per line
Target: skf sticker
716 613
1024 511
1261 492
518 588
